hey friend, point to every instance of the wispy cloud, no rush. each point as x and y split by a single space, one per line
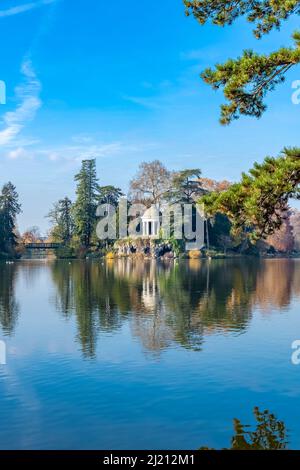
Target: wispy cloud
168 94
195 54
145 102
77 153
27 95
19 152
82 139
205 54
24 8
74 154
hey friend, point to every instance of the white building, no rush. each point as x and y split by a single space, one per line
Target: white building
151 222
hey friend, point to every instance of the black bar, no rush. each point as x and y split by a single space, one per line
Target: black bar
133 459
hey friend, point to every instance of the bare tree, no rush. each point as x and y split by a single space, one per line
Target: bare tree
31 235
151 183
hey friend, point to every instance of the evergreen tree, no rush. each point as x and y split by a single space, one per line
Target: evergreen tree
86 202
246 80
109 195
257 204
62 220
9 209
186 186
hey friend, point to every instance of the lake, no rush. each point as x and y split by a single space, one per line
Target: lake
130 354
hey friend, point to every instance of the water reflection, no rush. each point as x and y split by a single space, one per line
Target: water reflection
133 311
173 302
276 283
9 307
162 303
269 433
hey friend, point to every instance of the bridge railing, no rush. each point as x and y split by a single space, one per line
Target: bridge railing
42 246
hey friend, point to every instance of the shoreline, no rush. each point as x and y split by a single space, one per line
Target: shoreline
150 258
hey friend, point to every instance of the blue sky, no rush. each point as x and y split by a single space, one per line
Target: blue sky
119 81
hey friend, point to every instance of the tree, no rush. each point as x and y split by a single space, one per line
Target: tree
283 239
219 228
186 189
62 219
246 80
257 204
186 186
31 235
109 195
151 183
86 202
211 185
295 221
9 209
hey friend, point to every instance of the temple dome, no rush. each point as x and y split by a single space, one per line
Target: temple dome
151 214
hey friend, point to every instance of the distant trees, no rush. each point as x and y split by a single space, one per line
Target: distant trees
9 209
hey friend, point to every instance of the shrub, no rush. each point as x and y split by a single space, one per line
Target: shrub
195 254
65 252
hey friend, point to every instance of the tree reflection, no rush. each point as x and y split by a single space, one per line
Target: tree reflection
92 293
202 297
269 433
9 308
279 273
169 302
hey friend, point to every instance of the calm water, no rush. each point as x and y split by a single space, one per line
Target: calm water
146 355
